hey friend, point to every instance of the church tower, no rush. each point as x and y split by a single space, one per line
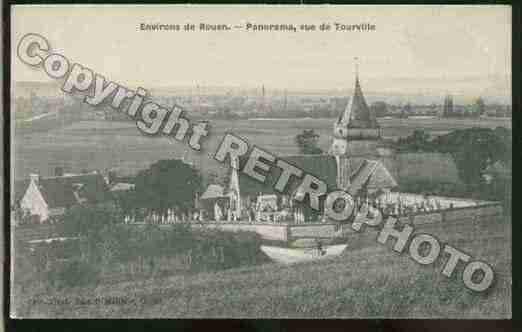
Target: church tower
356 131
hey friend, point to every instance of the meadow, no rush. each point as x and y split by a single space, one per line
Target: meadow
368 280
91 145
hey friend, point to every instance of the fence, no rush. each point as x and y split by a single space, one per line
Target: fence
287 232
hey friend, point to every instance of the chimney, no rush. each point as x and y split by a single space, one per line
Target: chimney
58 171
34 178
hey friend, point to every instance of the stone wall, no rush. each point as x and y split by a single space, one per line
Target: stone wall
311 231
486 210
267 232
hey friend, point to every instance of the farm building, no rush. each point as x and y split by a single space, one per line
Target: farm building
44 198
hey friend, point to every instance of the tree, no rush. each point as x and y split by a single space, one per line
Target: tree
473 149
167 184
418 141
505 137
308 141
88 220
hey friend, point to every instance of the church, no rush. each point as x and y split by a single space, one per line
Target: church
353 163
358 148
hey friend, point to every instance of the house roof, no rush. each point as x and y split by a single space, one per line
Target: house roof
57 192
381 178
60 191
20 187
213 191
371 174
359 178
323 167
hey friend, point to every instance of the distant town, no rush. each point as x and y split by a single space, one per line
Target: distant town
201 102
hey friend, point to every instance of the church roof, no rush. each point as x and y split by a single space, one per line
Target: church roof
372 174
357 173
363 173
357 113
323 167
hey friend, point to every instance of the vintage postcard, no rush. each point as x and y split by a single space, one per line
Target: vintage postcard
328 161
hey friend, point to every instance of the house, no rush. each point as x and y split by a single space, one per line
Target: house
48 197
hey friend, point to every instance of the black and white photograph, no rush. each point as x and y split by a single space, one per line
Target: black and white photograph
260 161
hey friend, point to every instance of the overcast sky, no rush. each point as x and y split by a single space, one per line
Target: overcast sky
441 42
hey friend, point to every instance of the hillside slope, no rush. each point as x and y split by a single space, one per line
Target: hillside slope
369 280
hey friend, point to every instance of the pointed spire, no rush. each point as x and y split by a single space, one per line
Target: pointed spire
234 186
357 113
356 59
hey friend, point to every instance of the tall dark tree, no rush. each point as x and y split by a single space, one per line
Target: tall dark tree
308 142
418 141
167 184
473 149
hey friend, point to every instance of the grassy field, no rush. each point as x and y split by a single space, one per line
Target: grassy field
102 144
369 280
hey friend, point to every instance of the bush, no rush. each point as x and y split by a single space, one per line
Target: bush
73 273
216 250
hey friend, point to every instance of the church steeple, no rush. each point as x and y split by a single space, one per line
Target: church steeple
356 131
356 70
357 113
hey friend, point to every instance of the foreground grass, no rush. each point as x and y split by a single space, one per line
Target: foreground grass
369 280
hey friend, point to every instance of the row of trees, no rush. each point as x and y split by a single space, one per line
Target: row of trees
473 149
